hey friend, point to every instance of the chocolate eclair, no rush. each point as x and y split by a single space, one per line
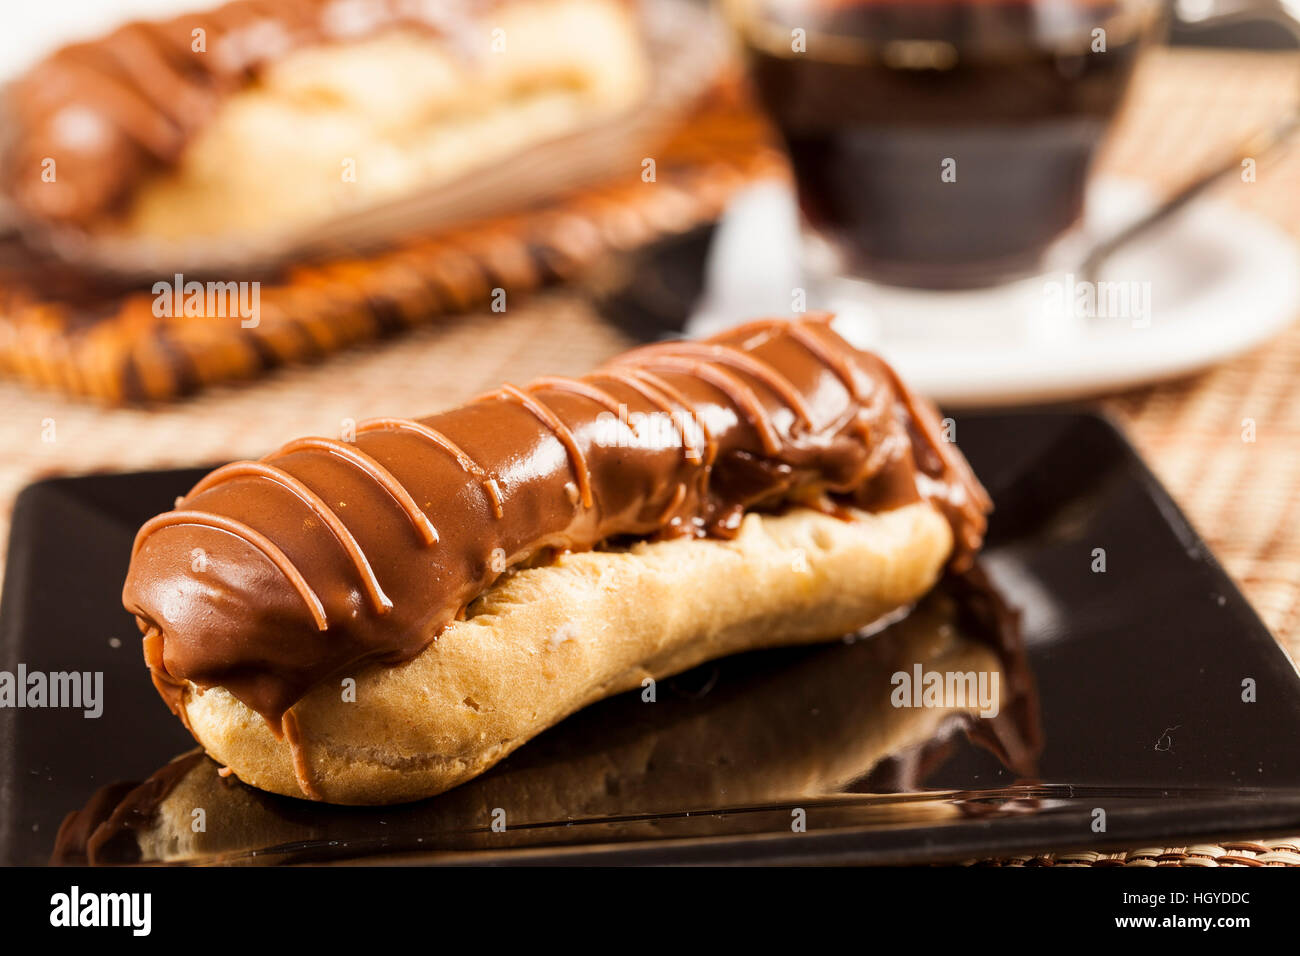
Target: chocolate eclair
379 619
229 135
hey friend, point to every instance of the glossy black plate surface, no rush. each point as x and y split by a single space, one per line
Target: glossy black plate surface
1130 701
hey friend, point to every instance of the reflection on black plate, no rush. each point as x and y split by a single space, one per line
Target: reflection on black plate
727 748
1138 673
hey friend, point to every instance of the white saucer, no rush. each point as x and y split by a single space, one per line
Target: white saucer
1212 282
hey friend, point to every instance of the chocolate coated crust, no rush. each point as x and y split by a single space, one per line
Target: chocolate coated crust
272 576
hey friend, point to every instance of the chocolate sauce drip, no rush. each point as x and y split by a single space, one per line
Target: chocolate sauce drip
272 576
116 109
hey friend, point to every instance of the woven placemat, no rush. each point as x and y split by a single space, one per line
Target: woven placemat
1279 852
1241 496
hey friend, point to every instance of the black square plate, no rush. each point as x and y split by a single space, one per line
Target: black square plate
1146 704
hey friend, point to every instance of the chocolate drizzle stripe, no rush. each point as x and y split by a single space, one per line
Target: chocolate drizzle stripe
169 688
729 355
964 492
576 387
249 536
654 381
371 469
576 458
473 468
301 766
259 469
730 385
679 495
820 351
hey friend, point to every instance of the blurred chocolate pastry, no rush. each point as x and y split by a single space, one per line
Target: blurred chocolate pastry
379 620
258 129
93 335
330 247
753 735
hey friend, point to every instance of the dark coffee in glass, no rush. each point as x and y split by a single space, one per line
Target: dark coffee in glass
942 143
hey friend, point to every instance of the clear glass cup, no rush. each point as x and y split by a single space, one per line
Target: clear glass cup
942 144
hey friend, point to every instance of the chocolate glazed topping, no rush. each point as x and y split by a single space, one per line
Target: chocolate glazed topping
116 109
272 576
